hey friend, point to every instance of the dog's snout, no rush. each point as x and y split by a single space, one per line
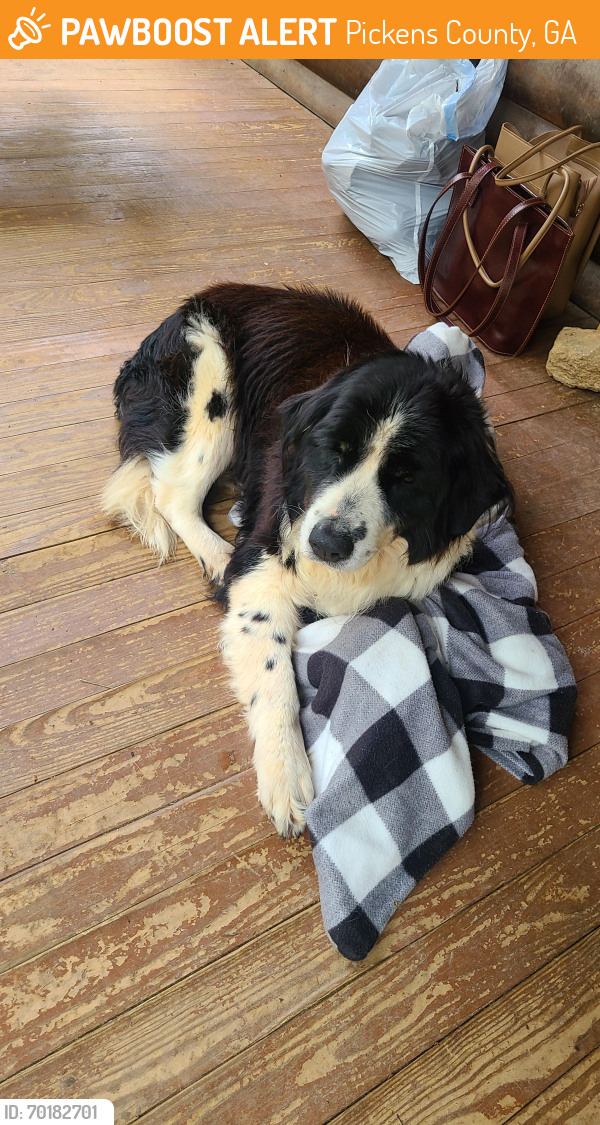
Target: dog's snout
329 543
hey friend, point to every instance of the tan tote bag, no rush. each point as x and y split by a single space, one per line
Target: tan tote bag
542 164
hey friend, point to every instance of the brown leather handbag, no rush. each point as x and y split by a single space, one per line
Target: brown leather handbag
502 248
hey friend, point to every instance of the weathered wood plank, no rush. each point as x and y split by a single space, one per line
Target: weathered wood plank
32 313
513 375
98 797
165 285
195 215
105 222
582 644
571 594
573 1099
410 1001
400 1007
48 527
275 106
585 730
92 727
156 943
313 253
54 571
565 546
492 1066
521 439
567 461
115 871
528 402
314 250
31 994
557 502
166 130
56 380
49 411
111 660
139 81
23 453
67 618
20 69
74 347
56 485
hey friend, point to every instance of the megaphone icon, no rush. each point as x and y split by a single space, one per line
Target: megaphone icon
26 31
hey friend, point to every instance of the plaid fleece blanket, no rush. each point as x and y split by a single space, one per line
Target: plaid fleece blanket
390 700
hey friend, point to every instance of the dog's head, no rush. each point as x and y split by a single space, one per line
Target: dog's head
393 446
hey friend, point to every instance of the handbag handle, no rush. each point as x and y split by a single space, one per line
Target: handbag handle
537 238
510 272
471 186
502 175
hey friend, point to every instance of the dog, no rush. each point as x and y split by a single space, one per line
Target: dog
364 472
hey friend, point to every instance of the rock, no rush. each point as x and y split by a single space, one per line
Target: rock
575 358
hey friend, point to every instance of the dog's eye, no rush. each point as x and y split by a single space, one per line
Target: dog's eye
400 475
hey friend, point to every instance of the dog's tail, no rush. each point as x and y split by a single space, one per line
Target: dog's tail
128 499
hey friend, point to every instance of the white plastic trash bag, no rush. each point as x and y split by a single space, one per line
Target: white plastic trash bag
401 141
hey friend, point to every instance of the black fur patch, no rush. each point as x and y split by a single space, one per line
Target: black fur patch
245 558
270 664
260 617
216 406
151 390
279 638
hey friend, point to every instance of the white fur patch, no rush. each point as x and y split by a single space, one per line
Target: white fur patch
182 478
356 500
161 496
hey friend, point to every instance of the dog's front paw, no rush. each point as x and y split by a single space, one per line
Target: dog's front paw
215 563
285 788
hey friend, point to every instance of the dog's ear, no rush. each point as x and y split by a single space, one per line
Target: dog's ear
477 486
473 489
299 415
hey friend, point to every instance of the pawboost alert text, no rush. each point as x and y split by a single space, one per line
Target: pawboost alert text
319 31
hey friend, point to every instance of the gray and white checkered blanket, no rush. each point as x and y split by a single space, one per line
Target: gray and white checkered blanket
390 700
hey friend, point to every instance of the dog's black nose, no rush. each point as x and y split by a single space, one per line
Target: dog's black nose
329 543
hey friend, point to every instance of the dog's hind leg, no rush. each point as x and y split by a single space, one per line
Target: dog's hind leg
128 499
181 478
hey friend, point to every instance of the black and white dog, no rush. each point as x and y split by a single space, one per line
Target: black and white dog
363 471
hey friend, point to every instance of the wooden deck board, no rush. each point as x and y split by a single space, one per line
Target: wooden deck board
487 1069
400 1007
161 946
534 831
573 1099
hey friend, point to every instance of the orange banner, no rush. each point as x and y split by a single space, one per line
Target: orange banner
72 29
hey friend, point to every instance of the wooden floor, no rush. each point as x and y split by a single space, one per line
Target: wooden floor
160 945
